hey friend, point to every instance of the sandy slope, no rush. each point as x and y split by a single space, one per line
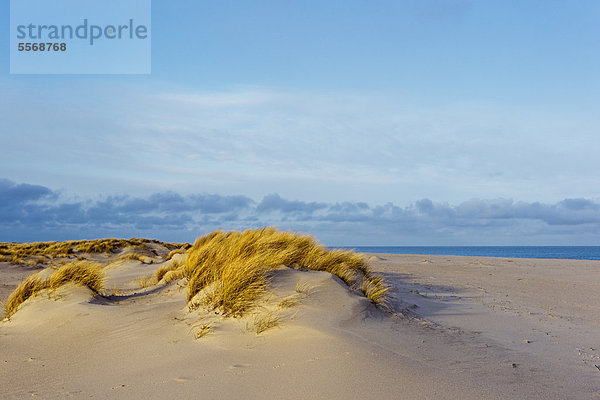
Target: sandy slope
465 344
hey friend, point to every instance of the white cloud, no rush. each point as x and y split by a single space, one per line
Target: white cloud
310 146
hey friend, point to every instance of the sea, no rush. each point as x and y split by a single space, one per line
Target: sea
557 252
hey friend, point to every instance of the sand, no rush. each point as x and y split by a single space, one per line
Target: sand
460 328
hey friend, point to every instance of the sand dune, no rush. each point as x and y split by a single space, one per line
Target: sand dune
459 328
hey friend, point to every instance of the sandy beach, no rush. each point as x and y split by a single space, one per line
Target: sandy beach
458 328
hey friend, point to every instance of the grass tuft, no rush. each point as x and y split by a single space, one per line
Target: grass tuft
26 289
304 288
173 275
234 266
135 256
265 321
289 302
146 281
202 331
375 289
83 273
168 273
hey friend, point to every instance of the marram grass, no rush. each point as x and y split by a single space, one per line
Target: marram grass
82 273
44 252
234 266
31 286
231 269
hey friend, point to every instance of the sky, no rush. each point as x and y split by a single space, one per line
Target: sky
379 122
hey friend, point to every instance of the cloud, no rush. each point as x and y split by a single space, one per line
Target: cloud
358 146
11 193
274 202
31 212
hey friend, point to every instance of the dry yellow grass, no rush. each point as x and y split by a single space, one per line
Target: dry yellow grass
162 271
43 252
201 331
26 289
375 289
265 321
289 302
236 266
168 273
133 256
83 273
180 250
173 275
146 281
232 269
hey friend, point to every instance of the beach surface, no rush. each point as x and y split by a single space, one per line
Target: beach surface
458 328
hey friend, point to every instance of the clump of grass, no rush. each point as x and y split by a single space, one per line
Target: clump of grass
289 302
133 256
29 287
83 273
236 265
162 271
375 289
232 289
265 321
180 250
173 275
166 273
146 281
304 288
202 331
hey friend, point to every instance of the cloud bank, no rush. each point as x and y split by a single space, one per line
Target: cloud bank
33 212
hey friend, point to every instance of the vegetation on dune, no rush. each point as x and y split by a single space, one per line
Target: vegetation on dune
168 273
43 252
180 250
234 267
225 271
82 273
31 286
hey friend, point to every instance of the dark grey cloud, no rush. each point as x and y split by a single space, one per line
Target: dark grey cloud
273 202
30 212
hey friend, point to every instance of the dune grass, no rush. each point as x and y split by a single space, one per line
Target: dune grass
265 321
82 273
31 286
44 252
180 250
231 270
166 273
235 266
134 256
375 289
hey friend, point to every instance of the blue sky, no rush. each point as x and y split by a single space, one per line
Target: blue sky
414 122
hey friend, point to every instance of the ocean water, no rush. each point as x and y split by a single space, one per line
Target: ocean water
565 252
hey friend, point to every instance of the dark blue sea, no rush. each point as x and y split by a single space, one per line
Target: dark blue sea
565 252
